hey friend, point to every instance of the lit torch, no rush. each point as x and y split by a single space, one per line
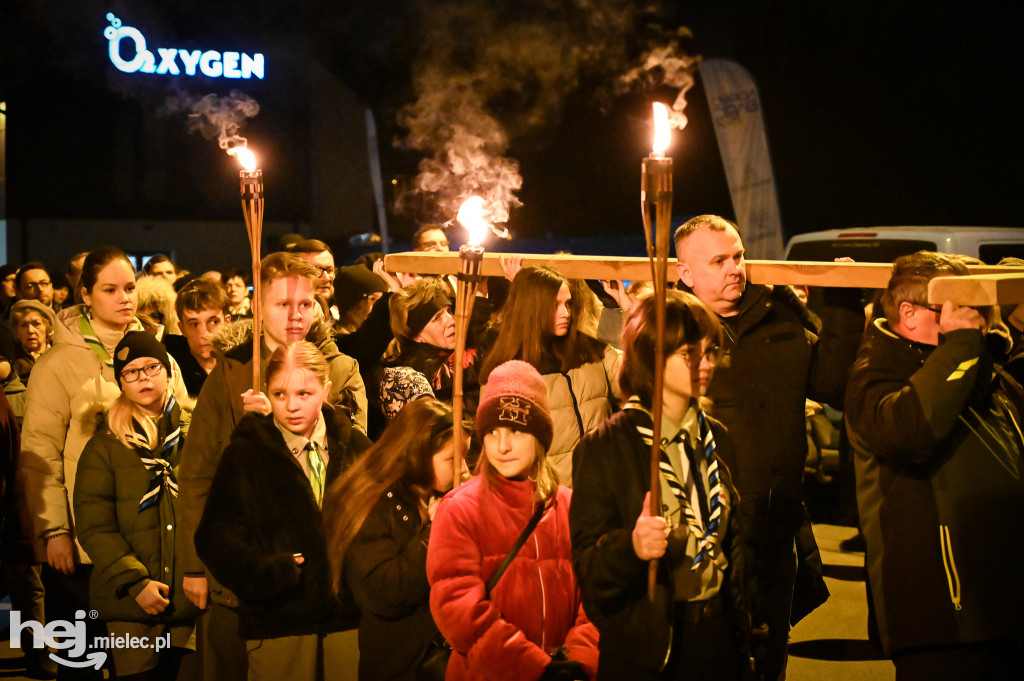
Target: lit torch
251 179
656 196
471 217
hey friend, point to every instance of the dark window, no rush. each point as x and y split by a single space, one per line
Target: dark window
861 250
991 254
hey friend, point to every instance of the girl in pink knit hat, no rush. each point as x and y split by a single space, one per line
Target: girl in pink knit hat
527 621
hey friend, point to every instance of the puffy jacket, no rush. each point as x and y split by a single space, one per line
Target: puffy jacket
535 607
938 465
70 392
580 399
128 547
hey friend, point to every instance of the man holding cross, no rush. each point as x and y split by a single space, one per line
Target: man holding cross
773 358
934 424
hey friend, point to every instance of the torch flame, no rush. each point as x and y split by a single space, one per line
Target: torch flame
662 130
471 216
244 156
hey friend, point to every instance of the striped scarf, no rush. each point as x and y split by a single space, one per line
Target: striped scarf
85 328
163 472
708 536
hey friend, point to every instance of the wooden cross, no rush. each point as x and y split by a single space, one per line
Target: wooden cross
986 285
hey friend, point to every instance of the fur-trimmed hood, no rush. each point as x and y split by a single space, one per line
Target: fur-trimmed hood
238 333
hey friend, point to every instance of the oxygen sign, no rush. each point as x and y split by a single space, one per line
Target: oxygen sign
174 61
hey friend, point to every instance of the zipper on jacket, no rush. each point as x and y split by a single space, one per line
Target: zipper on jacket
543 598
668 651
952 578
1013 420
575 405
985 443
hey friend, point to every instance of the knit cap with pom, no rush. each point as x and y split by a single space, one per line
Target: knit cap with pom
515 397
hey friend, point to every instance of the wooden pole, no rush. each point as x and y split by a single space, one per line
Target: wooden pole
777 272
252 208
978 289
466 284
656 194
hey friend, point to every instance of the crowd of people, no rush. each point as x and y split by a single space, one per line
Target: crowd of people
285 501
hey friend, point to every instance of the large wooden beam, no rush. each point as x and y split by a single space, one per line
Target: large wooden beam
978 289
832 274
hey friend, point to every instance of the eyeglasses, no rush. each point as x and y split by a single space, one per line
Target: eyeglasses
937 309
132 375
36 285
328 272
693 355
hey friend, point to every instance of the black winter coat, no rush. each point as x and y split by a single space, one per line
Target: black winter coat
191 373
611 473
386 571
939 467
261 511
772 360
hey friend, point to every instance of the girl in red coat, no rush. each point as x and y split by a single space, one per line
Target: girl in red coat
530 625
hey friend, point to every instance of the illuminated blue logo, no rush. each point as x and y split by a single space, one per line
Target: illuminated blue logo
175 62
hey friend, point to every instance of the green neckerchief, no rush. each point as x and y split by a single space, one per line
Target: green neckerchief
85 328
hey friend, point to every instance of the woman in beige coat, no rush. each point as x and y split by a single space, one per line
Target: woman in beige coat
72 386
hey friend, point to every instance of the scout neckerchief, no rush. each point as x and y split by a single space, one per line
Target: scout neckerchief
163 472
85 328
708 535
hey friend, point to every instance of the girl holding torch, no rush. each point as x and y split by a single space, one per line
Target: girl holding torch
692 626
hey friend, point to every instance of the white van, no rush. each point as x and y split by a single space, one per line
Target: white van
885 244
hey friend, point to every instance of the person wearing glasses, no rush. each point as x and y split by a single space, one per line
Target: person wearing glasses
934 424
696 627
774 357
126 507
33 282
319 255
73 384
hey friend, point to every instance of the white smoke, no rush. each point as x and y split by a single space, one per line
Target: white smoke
215 116
669 65
489 73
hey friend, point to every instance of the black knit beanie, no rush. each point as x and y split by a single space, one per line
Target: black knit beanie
137 344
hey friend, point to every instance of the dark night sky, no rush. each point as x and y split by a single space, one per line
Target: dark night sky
877 112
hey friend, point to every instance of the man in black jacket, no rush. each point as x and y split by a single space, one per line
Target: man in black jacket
934 425
774 357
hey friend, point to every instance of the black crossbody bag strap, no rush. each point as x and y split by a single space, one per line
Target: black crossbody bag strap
515 548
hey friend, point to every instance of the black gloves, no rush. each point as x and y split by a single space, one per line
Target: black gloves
563 670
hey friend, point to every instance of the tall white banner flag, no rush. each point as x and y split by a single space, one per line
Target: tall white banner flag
739 127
